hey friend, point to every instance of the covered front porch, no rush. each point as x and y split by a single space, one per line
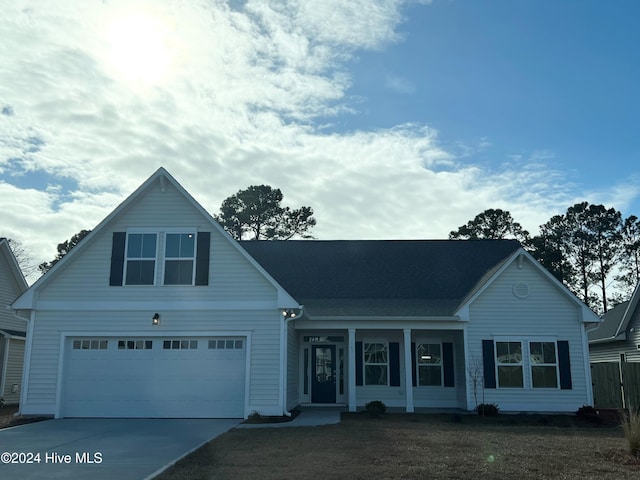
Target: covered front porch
409 367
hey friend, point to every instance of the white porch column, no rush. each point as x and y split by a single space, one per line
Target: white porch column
408 377
352 369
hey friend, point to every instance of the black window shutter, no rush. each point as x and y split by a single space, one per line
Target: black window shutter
358 363
117 259
489 363
564 365
394 364
202 258
414 370
447 364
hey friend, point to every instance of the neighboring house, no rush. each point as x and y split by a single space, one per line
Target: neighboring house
12 328
158 312
614 349
617 338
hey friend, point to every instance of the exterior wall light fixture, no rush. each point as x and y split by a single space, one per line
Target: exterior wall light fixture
156 319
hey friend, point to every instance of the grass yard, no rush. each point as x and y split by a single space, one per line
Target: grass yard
416 447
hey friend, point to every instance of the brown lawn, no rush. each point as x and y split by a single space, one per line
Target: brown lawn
416 447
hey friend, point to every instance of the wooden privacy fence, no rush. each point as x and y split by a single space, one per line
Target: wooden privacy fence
616 385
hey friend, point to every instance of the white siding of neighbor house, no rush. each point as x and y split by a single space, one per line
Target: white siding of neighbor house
84 281
13 370
610 351
9 291
13 349
546 313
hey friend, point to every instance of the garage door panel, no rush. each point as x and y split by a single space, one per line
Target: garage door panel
187 379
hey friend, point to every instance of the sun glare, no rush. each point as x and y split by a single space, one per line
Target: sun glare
139 48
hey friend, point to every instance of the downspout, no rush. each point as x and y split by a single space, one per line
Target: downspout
284 362
25 362
587 364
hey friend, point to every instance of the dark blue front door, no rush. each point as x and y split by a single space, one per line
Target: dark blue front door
323 375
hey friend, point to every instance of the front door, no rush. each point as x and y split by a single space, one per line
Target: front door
323 375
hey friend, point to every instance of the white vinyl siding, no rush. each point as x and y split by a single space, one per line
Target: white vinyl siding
231 276
238 298
498 314
264 354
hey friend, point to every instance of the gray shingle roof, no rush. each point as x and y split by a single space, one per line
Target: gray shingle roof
610 322
380 277
616 321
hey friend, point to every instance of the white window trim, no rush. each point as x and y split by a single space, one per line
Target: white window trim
531 365
521 364
418 364
126 257
160 256
527 378
385 342
180 231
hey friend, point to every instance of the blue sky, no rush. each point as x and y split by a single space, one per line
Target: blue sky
560 77
392 119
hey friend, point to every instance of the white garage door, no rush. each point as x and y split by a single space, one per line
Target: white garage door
173 377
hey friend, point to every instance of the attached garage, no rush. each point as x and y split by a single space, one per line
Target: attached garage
154 377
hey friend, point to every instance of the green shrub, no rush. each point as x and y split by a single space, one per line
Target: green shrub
587 411
376 408
487 409
254 417
631 428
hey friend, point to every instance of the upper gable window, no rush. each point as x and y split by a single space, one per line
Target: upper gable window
140 265
180 258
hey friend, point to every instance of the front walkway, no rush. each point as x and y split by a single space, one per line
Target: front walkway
102 449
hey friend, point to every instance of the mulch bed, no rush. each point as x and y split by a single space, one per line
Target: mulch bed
257 418
8 417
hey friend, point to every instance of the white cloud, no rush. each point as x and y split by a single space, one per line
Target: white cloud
237 105
399 85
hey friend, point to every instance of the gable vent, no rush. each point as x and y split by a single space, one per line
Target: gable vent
521 290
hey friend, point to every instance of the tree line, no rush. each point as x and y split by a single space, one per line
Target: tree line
592 249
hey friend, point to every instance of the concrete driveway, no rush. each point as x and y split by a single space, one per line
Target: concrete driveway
96 449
